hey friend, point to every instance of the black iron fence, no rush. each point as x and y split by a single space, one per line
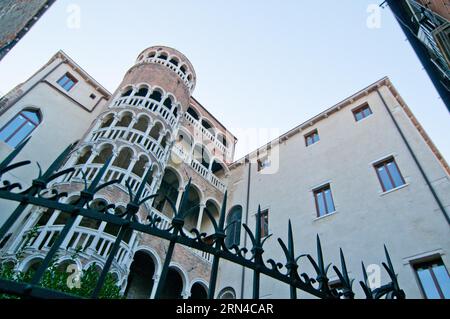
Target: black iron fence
42 194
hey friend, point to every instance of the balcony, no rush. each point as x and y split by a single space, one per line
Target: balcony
149 104
90 242
207 134
199 168
113 173
133 136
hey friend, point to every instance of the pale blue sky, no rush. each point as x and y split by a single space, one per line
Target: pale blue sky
259 63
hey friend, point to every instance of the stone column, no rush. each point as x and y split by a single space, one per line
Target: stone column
200 217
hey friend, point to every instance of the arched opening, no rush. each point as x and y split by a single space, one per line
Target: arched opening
32 266
208 126
156 130
175 112
174 61
98 204
125 121
168 103
165 140
142 92
127 92
107 121
156 95
202 156
139 168
193 113
163 56
140 279
227 293
234 222
124 158
142 124
183 69
193 204
218 169
185 141
104 155
222 139
169 187
173 286
85 154
198 292
151 54
207 225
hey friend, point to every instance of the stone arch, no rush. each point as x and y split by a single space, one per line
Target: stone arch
142 124
31 263
198 290
169 187
176 282
142 273
227 293
156 130
141 166
105 151
107 119
84 155
218 168
214 208
202 155
194 199
126 91
193 112
123 159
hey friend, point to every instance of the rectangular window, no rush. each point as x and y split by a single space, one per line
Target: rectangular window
263 163
434 279
67 82
324 201
265 223
389 175
362 112
312 138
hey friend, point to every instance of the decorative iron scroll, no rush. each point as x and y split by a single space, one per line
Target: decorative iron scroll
42 194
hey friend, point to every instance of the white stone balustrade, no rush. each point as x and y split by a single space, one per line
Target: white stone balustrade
205 133
132 136
90 243
174 68
149 104
199 168
113 173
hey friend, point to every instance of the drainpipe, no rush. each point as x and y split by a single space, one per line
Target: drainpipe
413 155
247 210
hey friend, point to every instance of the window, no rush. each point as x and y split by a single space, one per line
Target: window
324 201
362 112
234 221
263 163
312 138
93 96
20 127
67 82
389 175
434 279
265 223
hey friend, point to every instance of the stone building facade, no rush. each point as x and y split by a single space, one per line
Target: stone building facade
360 174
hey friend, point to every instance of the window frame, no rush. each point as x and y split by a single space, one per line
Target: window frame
321 190
428 264
361 109
384 163
311 134
265 212
17 130
70 77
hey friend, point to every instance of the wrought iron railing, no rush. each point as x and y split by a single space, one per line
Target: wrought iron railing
41 194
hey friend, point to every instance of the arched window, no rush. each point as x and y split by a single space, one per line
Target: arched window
234 221
20 127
